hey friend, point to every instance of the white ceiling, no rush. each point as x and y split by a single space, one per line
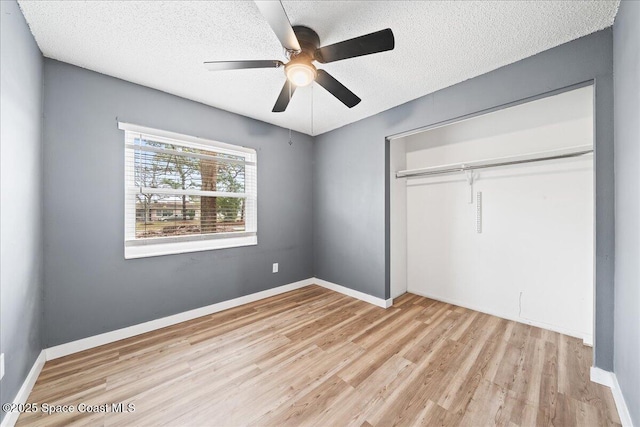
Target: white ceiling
162 44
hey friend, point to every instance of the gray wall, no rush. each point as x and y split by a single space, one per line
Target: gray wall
350 201
21 200
89 287
626 72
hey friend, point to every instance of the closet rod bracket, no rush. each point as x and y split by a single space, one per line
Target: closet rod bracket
471 176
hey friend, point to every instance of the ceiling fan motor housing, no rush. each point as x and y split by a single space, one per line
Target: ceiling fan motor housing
300 70
308 39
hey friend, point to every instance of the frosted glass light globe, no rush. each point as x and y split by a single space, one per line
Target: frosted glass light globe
301 74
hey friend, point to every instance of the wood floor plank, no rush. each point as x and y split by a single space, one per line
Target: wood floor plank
314 357
303 410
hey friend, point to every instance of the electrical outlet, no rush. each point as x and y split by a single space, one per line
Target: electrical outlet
275 267
1 365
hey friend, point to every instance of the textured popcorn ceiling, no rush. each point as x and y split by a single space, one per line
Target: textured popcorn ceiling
162 44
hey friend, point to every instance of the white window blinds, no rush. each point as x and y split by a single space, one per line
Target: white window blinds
184 194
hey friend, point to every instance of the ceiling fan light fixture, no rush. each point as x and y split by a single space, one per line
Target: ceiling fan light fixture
301 73
302 47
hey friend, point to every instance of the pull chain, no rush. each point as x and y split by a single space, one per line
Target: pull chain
290 140
312 108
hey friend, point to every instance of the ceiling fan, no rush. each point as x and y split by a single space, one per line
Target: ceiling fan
301 45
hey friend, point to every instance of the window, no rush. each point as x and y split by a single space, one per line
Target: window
186 194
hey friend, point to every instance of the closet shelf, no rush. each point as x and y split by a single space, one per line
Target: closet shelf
498 161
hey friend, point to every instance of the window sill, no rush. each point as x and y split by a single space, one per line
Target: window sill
171 248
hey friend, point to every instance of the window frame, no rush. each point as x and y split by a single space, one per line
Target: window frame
167 245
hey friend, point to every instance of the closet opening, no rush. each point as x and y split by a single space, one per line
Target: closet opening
495 212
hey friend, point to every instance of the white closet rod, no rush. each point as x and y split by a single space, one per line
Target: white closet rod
500 161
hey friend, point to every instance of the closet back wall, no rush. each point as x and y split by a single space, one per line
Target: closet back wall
533 259
89 287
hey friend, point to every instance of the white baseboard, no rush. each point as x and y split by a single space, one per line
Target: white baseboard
141 328
10 418
587 339
600 376
354 294
609 379
131 331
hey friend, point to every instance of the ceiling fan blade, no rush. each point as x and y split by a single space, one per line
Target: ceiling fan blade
380 41
285 96
241 65
274 13
337 89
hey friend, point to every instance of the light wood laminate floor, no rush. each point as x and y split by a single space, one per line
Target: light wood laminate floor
316 357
